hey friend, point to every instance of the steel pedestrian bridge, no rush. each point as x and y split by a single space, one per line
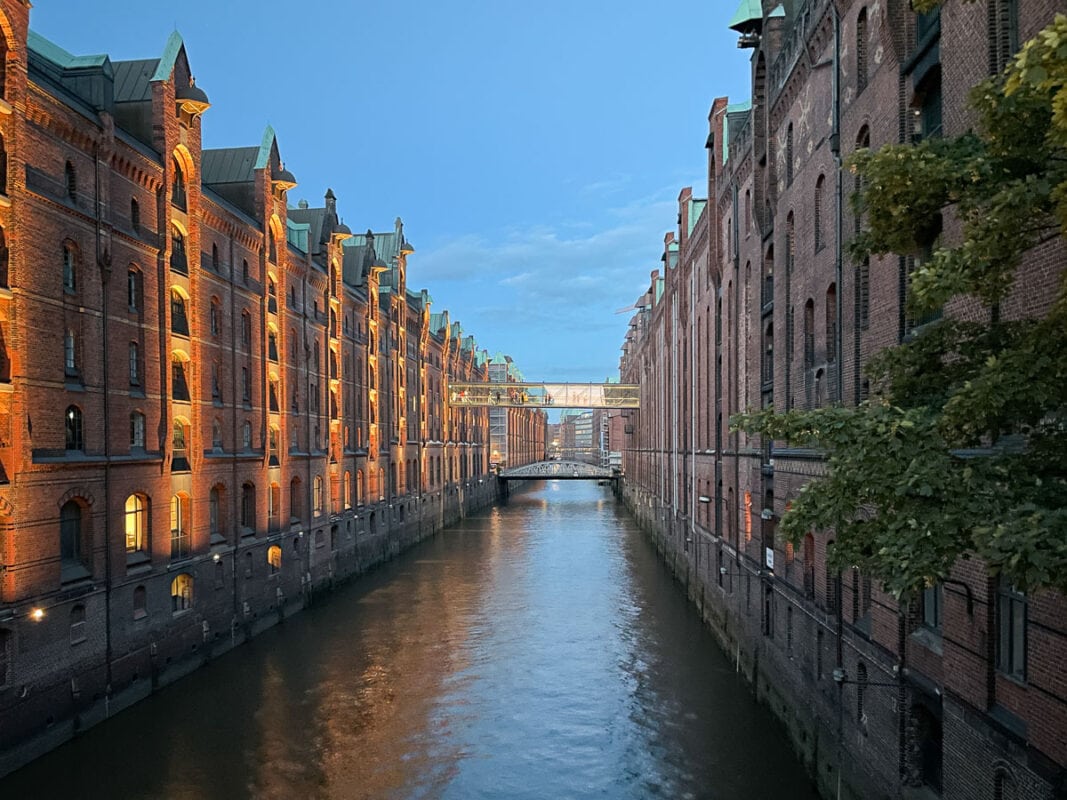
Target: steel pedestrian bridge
545 395
558 471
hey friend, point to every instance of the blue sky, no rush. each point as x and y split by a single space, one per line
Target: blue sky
534 150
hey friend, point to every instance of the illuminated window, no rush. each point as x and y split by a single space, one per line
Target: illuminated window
181 593
274 559
136 524
318 496
180 525
74 433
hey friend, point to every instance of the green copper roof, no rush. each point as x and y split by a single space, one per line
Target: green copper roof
732 108
696 208
779 11
263 159
170 55
57 55
748 11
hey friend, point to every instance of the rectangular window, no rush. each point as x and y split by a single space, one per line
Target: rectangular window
135 365
1011 631
931 607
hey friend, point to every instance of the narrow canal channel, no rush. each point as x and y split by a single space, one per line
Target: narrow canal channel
540 650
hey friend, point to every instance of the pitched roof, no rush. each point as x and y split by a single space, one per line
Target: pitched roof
133 80
228 165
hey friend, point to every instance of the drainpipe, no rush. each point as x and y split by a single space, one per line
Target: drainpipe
736 258
103 260
233 429
835 149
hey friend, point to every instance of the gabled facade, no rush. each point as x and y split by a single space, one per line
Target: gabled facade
213 402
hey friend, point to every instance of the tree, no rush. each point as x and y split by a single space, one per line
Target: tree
963 450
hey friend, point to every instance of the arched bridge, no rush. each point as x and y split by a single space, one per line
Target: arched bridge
558 470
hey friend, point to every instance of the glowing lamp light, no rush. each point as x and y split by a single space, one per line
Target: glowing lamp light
37 614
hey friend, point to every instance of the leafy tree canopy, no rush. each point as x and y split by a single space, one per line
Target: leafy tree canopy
964 450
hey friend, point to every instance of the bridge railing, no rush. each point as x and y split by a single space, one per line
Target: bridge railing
546 395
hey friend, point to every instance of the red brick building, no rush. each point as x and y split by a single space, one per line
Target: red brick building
212 403
758 304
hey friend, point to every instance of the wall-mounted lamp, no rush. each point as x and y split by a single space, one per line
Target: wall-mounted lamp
216 558
703 499
37 614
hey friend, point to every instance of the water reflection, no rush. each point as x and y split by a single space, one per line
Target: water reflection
536 651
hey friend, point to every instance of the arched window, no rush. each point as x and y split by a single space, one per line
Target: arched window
347 489
273 436
180 526
215 317
179 321
72 181
216 435
133 289
272 345
817 212
318 498
274 559
178 260
215 257
361 490
272 248
809 333
137 428
246 435
70 270
272 398
177 186
274 501
181 593
71 550
272 295
74 432
180 385
861 50
135 214
179 446
245 275
136 523
790 244
248 507
295 500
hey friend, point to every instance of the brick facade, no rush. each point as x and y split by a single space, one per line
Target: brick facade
213 404
758 304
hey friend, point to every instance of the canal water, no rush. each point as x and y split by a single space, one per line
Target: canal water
540 650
